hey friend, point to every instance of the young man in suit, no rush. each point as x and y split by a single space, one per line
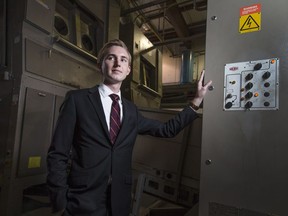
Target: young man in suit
98 181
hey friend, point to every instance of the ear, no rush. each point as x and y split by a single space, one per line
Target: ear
101 67
129 70
98 65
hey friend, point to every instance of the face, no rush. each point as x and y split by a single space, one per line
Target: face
115 66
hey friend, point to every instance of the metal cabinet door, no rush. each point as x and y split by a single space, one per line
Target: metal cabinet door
36 132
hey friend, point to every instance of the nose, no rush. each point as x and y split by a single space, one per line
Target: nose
116 62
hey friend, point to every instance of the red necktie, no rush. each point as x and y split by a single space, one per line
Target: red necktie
114 117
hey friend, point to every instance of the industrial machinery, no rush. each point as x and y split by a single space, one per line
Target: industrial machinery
47 51
244 162
167 168
49 47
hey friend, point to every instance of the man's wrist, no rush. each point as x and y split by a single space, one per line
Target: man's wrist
196 101
193 106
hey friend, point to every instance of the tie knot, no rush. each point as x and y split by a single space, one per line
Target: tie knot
114 97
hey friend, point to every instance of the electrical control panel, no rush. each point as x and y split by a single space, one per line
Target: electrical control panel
252 85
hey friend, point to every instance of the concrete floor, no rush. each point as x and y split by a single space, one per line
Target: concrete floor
36 203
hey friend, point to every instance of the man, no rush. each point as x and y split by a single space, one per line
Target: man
89 161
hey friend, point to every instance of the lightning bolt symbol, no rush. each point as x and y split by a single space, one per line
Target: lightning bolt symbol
249 22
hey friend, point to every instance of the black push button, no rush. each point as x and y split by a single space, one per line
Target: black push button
258 66
248 105
266 75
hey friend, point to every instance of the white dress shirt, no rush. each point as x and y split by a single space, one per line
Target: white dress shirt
107 102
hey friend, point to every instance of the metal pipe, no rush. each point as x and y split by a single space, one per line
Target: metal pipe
151 28
175 40
140 7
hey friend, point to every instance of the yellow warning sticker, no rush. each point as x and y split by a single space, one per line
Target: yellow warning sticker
34 162
250 18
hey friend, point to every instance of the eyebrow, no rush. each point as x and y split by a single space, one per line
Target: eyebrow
114 55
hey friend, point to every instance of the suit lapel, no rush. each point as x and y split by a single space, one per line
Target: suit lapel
94 97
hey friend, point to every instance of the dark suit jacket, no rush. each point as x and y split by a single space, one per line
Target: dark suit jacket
82 137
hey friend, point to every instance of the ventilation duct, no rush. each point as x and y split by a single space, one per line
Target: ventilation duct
186 75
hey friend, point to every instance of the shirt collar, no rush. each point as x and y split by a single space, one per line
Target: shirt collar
105 91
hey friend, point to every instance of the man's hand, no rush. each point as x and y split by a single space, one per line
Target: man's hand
201 90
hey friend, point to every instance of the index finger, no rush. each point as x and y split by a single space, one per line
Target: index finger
202 76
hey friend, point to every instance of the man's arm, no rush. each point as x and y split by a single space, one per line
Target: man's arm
58 154
182 119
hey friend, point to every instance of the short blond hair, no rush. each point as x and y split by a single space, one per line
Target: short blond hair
115 42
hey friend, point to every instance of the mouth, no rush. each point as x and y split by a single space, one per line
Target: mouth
116 71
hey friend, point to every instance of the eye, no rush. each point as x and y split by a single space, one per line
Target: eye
110 58
124 60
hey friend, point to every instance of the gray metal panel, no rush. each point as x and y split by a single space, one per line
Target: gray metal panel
36 132
148 150
244 154
172 165
41 13
58 66
13 185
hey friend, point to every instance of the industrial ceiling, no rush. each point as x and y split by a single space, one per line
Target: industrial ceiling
170 23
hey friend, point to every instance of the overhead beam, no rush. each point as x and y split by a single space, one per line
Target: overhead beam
171 41
176 19
170 33
141 7
150 26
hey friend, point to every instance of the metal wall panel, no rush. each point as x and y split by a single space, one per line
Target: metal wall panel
36 133
244 153
171 165
41 14
58 66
